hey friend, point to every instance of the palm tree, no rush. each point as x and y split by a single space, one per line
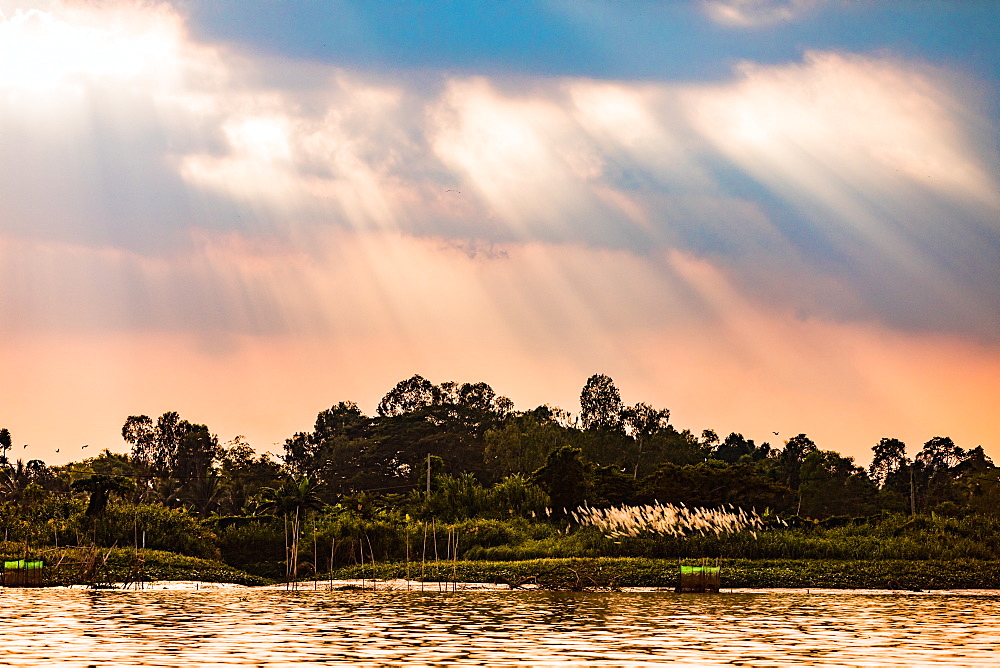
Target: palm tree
291 500
13 480
203 494
291 497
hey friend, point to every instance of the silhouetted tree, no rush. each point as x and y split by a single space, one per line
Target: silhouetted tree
790 459
407 396
889 457
5 446
600 404
140 433
643 422
939 454
563 478
244 474
735 446
521 444
101 487
832 484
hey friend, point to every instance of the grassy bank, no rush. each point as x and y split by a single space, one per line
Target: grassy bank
640 572
66 566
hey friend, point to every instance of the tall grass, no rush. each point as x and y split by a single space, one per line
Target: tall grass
257 547
667 520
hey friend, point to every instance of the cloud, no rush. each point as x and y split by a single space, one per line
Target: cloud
225 203
758 13
671 329
823 185
883 169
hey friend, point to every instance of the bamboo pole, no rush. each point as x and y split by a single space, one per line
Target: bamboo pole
437 563
423 558
295 551
454 563
371 553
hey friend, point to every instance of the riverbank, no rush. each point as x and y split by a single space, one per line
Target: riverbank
66 566
416 586
124 565
613 573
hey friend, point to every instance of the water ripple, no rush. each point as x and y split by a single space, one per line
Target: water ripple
279 628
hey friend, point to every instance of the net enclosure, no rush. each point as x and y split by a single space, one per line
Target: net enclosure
699 579
23 573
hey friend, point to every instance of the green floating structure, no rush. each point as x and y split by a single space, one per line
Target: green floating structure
23 573
699 579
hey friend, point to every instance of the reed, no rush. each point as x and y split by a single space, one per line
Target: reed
668 520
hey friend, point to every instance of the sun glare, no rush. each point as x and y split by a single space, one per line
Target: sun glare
40 50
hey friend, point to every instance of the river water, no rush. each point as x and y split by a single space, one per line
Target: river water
308 628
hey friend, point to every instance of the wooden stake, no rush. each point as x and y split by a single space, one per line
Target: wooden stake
437 567
423 558
371 553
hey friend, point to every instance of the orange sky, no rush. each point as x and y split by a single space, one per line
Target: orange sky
247 238
731 367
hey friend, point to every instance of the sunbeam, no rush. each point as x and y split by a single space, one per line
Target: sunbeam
200 225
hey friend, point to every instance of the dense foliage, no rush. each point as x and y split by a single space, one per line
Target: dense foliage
440 465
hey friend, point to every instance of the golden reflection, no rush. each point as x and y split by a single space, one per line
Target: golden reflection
273 627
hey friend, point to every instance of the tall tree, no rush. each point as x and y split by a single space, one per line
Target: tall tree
601 404
643 422
101 487
140 433
342 419
939 454
477 395
563 478
244 475
790 459
736 446
169 431
5 446
709 440
521 443
832 485
407 396
889 456
196 453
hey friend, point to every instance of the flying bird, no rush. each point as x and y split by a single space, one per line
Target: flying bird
84 446
775 433
452 190
57 449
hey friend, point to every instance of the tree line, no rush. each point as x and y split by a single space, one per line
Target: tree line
470 442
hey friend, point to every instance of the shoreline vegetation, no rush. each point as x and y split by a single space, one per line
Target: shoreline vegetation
448 483
631 572
566 574
122 568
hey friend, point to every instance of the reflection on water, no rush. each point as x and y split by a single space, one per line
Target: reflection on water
269 627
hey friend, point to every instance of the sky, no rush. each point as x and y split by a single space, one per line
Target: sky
770 217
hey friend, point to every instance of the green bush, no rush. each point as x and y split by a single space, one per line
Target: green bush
123 524
256 546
